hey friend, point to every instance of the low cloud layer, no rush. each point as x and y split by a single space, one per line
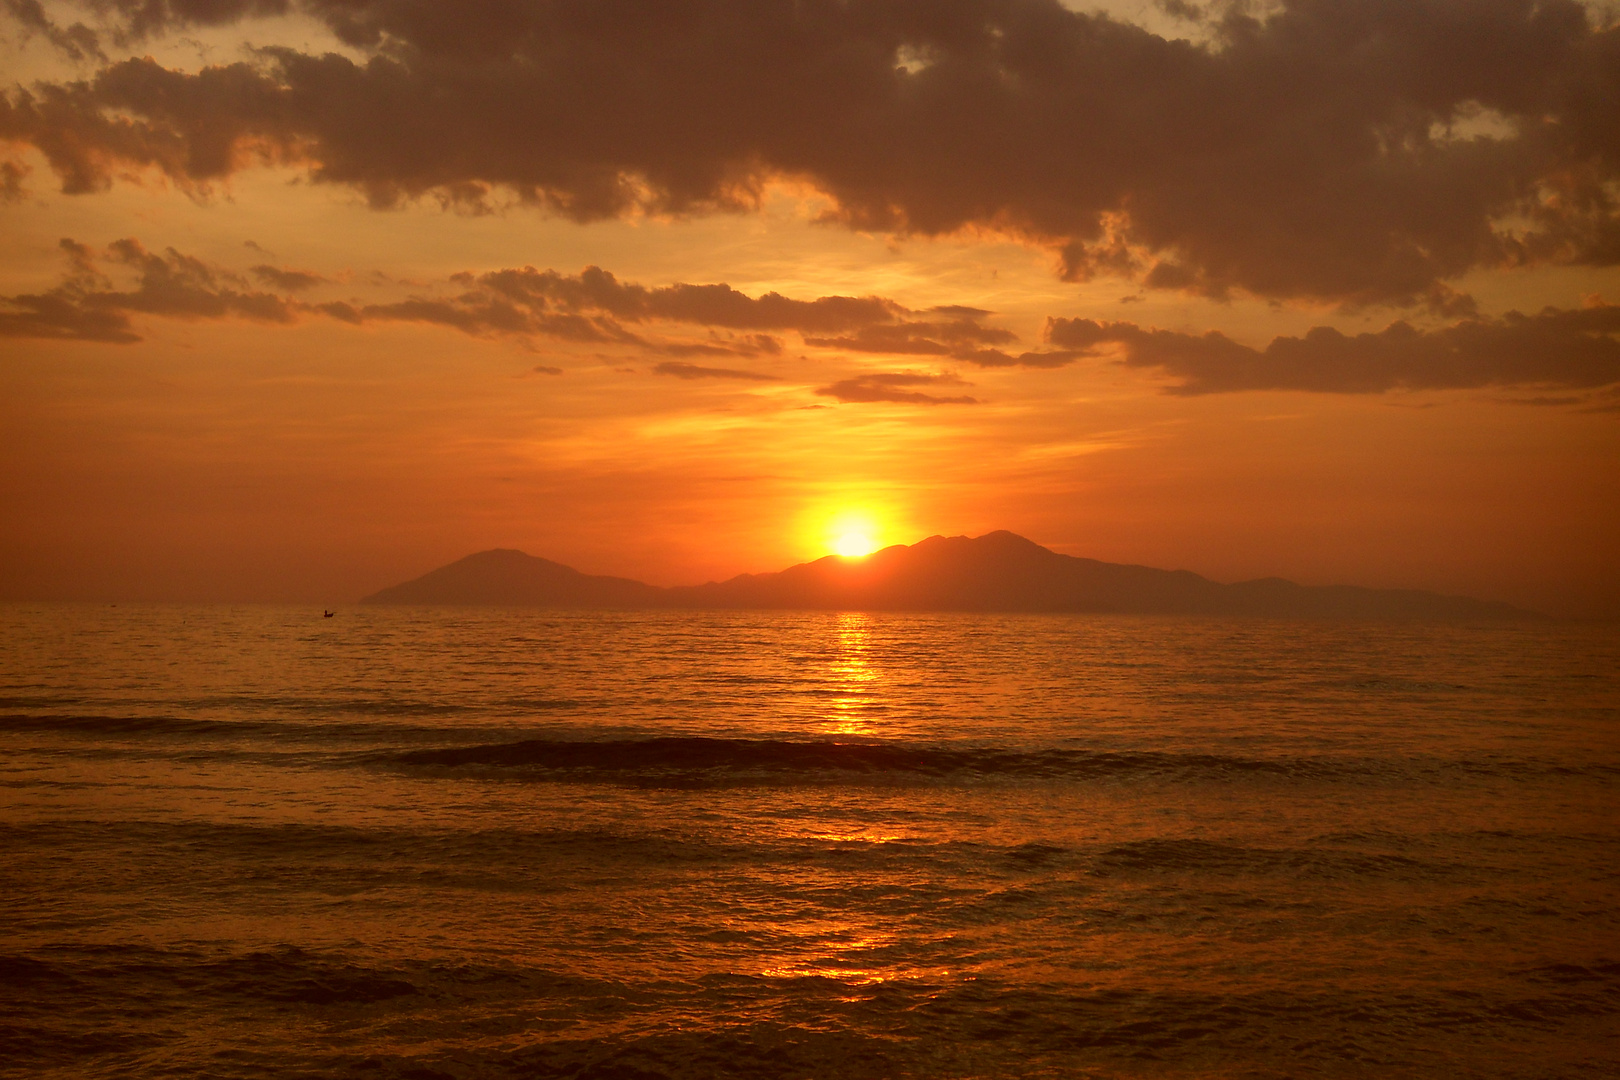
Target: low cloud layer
281 277
693 371
592 307
1574 349
1570 349
895 387
1344 150
85 306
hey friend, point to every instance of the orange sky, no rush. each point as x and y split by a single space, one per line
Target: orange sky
295 299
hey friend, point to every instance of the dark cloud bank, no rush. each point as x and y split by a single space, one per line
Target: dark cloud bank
1360 151
1567 349
1572 349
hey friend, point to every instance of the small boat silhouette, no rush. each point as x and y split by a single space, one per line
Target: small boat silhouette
328 614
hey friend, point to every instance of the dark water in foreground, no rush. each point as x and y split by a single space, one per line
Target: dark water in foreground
399 843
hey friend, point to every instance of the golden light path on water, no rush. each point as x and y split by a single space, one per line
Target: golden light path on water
854 679
853 709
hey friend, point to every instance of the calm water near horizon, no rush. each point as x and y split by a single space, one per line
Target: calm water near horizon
411 843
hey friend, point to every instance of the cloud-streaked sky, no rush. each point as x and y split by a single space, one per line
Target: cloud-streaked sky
302 297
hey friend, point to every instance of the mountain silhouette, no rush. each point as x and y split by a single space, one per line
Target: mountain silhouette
504 577
999 571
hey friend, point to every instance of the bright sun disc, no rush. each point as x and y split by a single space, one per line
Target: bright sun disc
850 544
852 531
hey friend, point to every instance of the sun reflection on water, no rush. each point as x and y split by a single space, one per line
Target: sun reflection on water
846 948
852 677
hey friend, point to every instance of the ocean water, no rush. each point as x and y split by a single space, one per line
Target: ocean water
403 843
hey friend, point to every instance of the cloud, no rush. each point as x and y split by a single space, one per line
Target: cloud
961 338
289 280
891 387
692 371
1571 349
718 345
595 306
595 289
996 358
86 307
1321 151
1180 9
919 338
1576 349
591 307
77 42
11 181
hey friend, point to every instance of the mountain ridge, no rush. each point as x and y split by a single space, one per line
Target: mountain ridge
997 572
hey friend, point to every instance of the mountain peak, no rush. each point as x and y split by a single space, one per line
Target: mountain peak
508 577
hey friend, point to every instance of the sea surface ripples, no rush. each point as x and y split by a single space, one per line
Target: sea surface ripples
250 842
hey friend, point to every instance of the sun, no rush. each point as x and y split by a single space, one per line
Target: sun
853 543
853 533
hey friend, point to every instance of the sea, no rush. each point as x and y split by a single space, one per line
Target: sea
420 844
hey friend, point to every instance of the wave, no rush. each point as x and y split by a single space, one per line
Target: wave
127 1010
1172 855
128 725
506 858
164 726
703 760
281 704
718 760
696 756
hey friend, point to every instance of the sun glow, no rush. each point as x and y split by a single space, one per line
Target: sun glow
853 533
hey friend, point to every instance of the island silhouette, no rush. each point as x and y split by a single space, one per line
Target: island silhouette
997 572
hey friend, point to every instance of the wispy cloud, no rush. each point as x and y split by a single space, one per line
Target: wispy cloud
692 371
895 387
280 277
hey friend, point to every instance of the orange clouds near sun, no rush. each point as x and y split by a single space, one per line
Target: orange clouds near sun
811 280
